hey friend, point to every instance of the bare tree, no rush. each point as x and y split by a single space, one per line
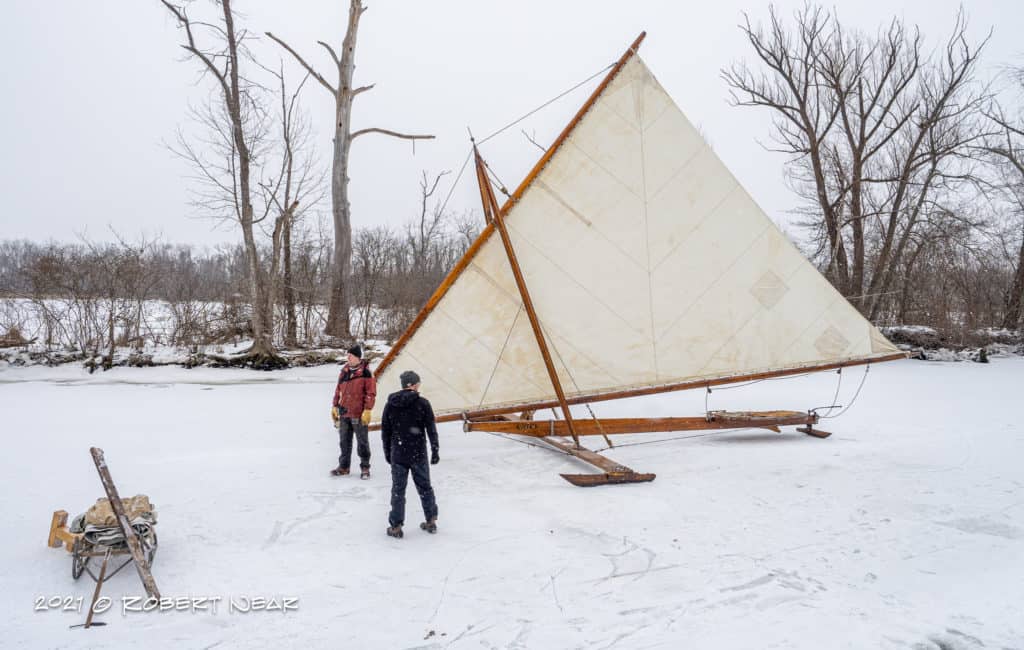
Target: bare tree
243 172
876 131
1006 149
343 93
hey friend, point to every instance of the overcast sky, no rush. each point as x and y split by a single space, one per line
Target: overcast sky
95 88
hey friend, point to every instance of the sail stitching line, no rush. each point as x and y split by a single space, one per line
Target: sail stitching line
668 105
603 168
697 226
638 106
501 353
570 276
721 274
682 168
477 339
614 110
814 321
422 365
755 314
586 357
516 299
579 215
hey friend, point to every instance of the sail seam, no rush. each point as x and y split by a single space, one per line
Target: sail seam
583 287
696 226
721 274
639 107
442 380
755 314
603 168
704 146
579 215
478 340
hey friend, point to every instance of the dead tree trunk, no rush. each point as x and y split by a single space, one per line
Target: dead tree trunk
340 294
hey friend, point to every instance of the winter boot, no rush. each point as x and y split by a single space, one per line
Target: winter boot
365 473
394 531
430 526
339 471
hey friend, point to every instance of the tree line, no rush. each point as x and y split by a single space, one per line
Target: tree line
909 166
95 297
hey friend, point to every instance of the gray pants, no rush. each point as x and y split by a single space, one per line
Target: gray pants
346 427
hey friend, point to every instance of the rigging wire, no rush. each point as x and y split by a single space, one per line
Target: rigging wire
547 103
683 437
455 182
526 442
863 379
835 398
469 154
751 383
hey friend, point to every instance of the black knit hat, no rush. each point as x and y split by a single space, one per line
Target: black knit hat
355 350
409 378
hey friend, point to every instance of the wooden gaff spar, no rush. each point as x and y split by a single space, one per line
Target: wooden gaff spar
628 262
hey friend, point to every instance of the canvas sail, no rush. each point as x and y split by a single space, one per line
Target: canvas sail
647 263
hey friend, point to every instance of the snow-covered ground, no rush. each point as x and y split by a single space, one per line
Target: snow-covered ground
905 529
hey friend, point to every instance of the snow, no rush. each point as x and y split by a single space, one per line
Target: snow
905 529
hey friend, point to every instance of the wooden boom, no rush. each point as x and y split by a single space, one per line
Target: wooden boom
616 426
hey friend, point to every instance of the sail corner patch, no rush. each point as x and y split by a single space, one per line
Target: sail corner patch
769 289
831 343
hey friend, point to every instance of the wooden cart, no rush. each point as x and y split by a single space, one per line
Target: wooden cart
82 550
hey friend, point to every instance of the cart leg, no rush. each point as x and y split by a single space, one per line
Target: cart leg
96 593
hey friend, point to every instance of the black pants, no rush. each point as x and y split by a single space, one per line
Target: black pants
421 478
346 427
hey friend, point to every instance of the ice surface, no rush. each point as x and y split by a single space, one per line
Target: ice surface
905 529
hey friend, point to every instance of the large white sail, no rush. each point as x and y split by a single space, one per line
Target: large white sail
648 264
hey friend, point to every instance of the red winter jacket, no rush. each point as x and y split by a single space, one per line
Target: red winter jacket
356 390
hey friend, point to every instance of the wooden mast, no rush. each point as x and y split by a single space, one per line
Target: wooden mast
486 233
493 213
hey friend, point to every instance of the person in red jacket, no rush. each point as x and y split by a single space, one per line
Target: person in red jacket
353 401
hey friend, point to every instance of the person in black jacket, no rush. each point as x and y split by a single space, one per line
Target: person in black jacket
406 425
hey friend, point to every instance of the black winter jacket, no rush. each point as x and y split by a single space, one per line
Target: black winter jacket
407 422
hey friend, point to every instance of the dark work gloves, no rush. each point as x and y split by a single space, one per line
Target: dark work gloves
434 458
